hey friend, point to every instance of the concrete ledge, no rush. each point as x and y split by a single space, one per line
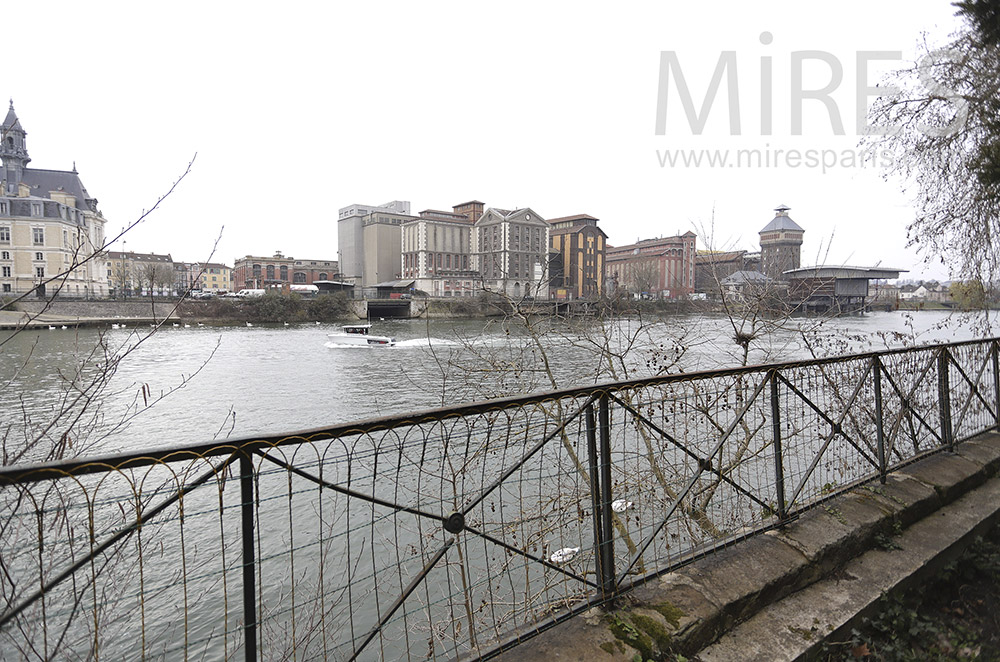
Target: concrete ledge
950 474
778 595
983 450
795 628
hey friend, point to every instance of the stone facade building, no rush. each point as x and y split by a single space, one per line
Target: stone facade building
579 257
510 251
437 251
50 226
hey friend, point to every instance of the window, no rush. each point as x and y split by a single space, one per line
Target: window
270 272
3 207
299 277
38 236
4 233
6 272
284 272
6 287
5 255
36 209
40 272
322 276
39 256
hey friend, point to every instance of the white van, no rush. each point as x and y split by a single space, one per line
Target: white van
250 293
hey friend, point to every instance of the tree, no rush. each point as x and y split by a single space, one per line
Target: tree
73 422
942 130
968 295
154 277
122 278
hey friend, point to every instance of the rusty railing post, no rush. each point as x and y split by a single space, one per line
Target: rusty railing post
996 383
594 464
779 467
249 587
607 551
879 429
944 397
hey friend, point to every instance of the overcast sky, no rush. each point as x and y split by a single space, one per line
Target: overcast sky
296 109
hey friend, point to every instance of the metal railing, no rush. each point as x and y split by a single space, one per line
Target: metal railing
455 533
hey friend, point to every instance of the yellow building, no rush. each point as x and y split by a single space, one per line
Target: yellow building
214 277
578 247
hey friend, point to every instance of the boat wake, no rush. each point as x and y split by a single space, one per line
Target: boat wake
335 345
425 342
405 344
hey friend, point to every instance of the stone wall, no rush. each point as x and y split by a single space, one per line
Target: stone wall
98 309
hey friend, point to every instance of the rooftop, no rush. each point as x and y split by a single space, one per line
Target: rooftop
782 221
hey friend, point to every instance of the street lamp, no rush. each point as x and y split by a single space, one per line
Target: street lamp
124 268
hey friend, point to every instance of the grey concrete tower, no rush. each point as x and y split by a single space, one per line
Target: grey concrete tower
13 151
780 245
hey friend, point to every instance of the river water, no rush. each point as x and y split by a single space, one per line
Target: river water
188 384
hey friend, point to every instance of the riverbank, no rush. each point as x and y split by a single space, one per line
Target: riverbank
76 314
335 308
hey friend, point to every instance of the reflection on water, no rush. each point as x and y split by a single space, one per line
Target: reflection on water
242 381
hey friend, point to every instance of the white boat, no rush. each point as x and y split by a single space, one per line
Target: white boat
359 334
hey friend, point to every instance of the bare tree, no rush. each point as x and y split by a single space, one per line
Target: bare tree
73 421
941 133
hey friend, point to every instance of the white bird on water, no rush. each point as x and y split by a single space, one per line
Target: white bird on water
51 328
564 555
249 324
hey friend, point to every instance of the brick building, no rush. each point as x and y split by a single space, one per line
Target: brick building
278 271
656 268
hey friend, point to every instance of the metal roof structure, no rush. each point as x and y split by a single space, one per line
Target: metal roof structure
844 271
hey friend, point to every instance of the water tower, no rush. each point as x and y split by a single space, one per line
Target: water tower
780 245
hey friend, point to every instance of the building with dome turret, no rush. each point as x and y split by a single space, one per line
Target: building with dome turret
50 226
780 245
